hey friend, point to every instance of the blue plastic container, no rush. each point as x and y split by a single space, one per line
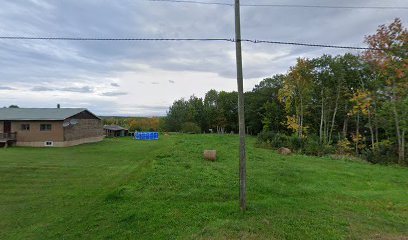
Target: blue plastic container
146 136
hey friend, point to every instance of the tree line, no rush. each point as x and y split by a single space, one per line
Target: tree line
136 124
355 103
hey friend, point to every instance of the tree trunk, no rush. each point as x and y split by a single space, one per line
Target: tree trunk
375 123
376 129
334 116
326 132
397 127
321 122
399 137
301 118
345 123
357 132
370 126
345 127
403 145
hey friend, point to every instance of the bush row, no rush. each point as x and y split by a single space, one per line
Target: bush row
308 145
384 152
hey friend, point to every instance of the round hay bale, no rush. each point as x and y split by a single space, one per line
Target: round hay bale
210 155
284 151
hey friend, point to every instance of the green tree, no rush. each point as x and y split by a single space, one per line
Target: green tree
264 111
178 114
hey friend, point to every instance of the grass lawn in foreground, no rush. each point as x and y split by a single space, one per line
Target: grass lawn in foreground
126 189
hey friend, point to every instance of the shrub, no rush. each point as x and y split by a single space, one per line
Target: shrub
384 152
280 140
190 127
275 140
295 142
265 136
329 149
344 147
312 146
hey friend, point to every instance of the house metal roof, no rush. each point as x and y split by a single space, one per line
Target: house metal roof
38 113
113 127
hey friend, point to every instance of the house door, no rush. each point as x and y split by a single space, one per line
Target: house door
7 127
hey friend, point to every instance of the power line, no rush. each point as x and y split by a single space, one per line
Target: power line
194 2
311 45
112 39
283 5
255 41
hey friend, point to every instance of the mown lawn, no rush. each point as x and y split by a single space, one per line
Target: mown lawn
124 189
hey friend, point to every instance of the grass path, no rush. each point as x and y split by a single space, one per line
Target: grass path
123 189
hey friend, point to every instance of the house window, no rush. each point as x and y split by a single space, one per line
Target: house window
25 127
45 127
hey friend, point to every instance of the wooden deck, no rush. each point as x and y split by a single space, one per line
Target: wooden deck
7 139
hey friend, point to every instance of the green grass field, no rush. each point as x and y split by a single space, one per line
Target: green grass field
124 189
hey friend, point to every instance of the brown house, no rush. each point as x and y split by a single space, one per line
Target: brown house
49 127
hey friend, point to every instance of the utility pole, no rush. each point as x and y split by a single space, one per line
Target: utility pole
241 111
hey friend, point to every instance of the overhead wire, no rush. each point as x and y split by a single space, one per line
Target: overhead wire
255 41
112 39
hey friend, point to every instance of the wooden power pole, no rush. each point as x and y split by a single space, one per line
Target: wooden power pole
241 111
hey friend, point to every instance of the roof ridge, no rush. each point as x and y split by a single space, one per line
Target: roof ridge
44 108
40 113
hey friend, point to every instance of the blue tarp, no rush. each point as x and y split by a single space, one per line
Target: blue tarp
147 136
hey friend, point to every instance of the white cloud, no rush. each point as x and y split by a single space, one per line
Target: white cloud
133 77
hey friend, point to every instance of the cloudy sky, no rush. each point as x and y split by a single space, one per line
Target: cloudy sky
144 78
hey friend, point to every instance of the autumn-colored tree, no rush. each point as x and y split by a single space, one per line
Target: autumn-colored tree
296 92
391 62
135 123
362 103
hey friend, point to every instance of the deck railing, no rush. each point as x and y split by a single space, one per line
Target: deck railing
8 136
